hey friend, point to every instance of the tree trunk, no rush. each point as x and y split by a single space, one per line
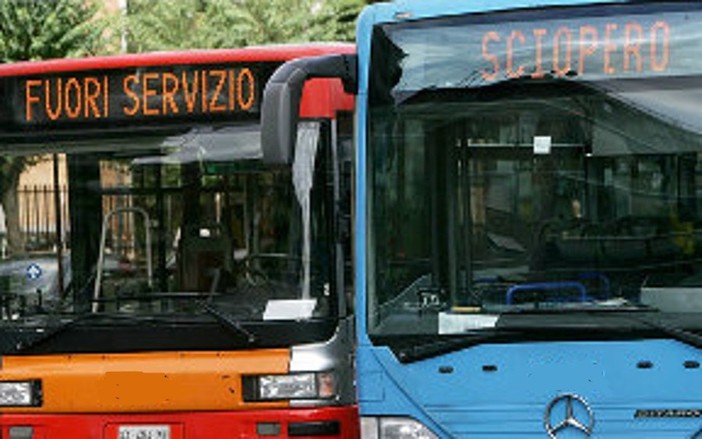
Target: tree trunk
10 204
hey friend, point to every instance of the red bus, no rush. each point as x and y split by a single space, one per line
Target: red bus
158 279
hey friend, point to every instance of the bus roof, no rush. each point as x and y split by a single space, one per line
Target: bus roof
283 52
411 10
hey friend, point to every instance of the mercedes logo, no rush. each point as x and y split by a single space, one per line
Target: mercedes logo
568 411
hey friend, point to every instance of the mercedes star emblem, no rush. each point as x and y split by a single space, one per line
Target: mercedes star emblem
568 411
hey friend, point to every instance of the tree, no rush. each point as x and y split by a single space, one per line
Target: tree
43 29
187 24
33 30
173 25
339 17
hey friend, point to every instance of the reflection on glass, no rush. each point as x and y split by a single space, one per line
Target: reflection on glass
160 225
555 192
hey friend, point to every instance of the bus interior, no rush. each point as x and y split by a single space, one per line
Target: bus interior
163 223
544 195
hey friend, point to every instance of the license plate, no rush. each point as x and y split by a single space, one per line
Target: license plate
144 432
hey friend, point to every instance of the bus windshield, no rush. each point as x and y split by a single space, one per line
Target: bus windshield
534 161
162 224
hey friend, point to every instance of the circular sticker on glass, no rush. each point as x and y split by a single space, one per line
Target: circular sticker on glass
34 271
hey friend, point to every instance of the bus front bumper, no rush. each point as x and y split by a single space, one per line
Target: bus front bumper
323 423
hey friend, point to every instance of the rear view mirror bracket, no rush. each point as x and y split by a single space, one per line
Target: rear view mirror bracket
282 96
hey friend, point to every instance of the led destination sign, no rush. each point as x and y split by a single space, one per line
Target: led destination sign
622 42
607 48
156 94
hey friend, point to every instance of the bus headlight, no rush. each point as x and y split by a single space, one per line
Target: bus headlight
306 385
20 393
394 428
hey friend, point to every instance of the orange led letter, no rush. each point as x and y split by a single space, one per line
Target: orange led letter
203 100
246 75
222 75
169 92
53 114
128 91
515 35
91 97
491 36
73 85
29 98
149 92
190 95
586 33
538 69
632 46
609 47
660 64
562 33
232 90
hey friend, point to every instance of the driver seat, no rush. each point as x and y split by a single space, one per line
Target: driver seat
204 254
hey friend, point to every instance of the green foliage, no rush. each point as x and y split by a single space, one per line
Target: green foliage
33 30
45 29
169 25
42 29
341 18
187 24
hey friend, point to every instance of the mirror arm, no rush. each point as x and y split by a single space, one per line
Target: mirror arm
282 96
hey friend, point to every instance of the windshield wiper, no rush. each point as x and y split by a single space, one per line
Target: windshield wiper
204 305
45 335
558 308
682 335
51 329
228 322
630 312
454 343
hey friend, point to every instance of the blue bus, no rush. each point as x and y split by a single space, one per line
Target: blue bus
528 216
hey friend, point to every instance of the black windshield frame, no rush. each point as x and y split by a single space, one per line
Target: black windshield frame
28 316
396 104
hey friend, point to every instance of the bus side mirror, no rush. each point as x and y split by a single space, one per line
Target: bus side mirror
282 96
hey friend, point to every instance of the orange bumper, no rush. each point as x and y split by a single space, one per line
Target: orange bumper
144 382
